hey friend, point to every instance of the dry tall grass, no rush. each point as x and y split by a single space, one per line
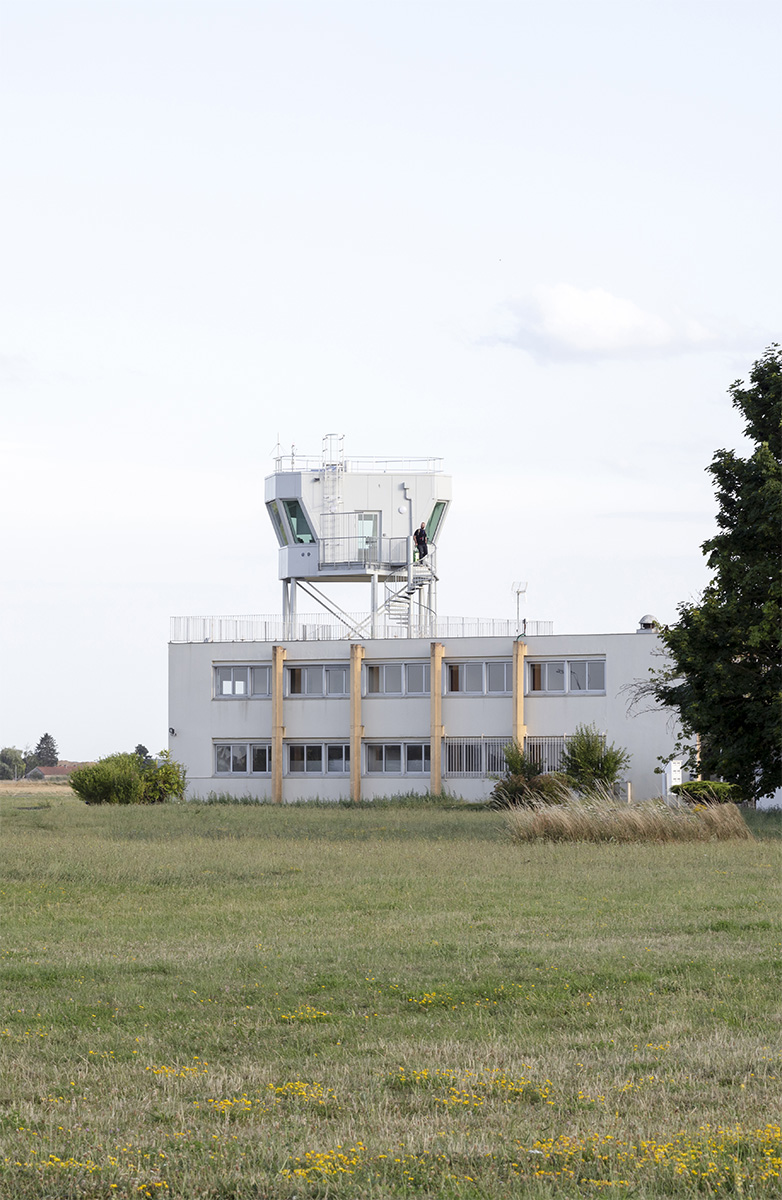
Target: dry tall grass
601 818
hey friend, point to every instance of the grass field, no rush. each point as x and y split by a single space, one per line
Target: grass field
219 1003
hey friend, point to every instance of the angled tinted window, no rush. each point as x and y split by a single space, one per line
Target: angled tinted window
298 522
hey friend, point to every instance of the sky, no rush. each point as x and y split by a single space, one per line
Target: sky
538 240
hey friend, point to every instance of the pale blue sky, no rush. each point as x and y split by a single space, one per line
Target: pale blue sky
538 239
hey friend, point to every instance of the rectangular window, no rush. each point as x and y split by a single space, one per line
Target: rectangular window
337 681
417 758
392 758
305 759
465 677
309 759
585 675
385 759
260 679
318 680
384 679
417 678
338 759
239 758
261 759
232 681
499 678
589 676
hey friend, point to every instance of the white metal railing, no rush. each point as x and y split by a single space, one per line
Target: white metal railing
399 466
362 551
547 752
474 756
320 627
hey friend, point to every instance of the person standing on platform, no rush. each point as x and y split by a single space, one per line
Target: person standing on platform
421 542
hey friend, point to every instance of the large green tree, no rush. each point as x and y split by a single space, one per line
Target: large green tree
724 675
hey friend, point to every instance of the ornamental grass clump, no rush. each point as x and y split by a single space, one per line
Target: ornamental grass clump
598 817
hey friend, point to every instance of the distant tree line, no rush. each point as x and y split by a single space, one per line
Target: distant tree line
15 764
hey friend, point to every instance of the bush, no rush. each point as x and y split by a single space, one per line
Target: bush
708 791
524 782
122 779
588 761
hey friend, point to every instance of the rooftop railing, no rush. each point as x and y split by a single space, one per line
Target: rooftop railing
396 466
319 627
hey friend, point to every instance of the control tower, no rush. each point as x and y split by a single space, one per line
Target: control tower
341 520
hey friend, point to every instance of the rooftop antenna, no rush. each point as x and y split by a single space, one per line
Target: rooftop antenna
519 590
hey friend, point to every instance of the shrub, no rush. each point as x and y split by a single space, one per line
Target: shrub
163 780
122 779
588 761
514 786
515 790
708 791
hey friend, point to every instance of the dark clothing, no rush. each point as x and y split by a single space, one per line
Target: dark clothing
421 543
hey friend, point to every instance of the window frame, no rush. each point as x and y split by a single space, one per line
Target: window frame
461 666
248 747
250 669
323 771
507 664
324 693
404 668
542 665
234 668
403 746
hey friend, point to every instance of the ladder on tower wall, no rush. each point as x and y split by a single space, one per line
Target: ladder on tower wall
332 469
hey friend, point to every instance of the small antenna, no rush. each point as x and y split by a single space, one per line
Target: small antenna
519 589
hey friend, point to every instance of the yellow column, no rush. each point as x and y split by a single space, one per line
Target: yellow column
436 718
278 727
519 728
356 728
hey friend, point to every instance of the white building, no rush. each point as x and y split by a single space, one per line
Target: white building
337 705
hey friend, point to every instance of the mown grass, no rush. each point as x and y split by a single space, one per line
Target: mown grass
225 1003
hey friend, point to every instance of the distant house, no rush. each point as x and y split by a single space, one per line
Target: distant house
52 774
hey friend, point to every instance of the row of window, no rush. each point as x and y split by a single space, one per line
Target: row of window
322 758
413 679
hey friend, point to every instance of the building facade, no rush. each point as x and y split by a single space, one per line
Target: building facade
332 718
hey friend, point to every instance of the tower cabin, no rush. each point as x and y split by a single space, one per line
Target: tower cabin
341 520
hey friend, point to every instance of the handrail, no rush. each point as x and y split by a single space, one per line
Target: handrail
317 627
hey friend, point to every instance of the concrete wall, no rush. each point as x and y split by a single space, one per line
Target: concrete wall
200 720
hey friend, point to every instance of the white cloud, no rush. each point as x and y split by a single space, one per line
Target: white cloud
563 322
